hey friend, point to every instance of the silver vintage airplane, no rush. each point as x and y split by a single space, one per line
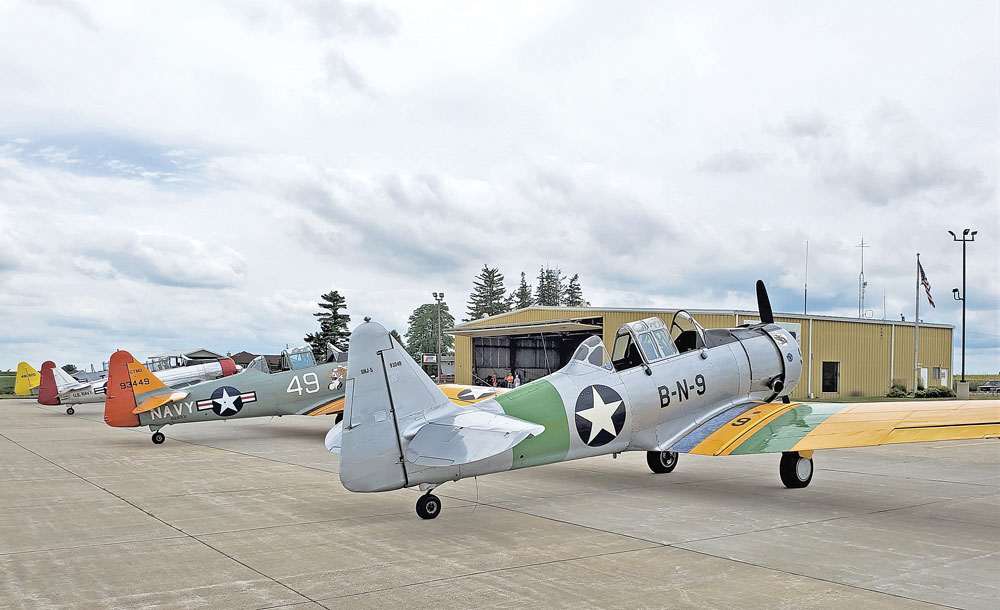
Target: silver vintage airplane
58 387
662 391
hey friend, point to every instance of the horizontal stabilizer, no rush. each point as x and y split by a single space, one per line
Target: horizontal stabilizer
467 436
158 401
335 438
66 382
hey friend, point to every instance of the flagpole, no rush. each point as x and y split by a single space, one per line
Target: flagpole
916 327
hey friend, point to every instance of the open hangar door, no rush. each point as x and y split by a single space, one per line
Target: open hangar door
531 350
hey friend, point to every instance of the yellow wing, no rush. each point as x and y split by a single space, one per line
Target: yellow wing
773 427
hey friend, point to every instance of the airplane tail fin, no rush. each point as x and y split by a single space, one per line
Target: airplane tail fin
142 380
48 391
386 393
27 379
120 399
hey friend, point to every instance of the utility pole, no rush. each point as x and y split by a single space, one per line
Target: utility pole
439 296
862 284
962 296
916 328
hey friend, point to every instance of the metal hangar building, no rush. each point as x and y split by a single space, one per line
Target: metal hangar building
842 356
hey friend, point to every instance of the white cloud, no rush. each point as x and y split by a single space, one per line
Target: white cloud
197 174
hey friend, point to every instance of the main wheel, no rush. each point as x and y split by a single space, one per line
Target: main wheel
70 410
795 470
661 461
428 506
158 438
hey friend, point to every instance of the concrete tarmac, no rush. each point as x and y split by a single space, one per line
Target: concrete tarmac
251 514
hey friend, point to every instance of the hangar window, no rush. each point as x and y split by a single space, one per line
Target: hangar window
831 376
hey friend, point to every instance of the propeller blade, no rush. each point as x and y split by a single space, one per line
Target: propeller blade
764 304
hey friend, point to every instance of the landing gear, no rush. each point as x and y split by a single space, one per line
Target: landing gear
661 461
428 506
158 438
70 410
796 471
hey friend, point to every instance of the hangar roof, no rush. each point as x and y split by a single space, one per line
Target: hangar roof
596 312
551 326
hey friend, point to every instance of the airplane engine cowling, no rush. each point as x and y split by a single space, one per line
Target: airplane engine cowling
228 366
775 361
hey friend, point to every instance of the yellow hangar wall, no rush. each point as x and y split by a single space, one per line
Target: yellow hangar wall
870 354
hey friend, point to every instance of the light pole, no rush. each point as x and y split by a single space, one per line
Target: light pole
966 237
439 296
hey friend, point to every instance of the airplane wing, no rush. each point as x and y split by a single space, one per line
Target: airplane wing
159 400
324 407
461 437
776 427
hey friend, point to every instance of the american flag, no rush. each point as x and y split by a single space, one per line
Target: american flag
927 285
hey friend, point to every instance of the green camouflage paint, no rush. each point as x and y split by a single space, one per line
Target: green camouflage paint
540 403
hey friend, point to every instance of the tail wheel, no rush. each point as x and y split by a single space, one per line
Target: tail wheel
70 410
795 470
661 461
428 506
158 438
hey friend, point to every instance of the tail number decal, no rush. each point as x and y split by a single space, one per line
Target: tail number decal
137 382
681 393
310 380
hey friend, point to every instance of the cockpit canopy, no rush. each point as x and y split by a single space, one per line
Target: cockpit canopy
641 341
297 358
165 363
259 364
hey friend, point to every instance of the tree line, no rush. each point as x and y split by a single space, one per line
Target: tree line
489 297
552 288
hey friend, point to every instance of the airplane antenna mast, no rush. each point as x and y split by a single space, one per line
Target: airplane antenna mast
805 285
862 284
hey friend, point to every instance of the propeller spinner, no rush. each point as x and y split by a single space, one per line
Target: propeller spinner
764 304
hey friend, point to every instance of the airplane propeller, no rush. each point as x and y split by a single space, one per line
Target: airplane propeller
764 304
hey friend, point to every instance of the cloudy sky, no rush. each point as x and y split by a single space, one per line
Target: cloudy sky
196 173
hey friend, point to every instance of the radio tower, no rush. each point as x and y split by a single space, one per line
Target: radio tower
862 284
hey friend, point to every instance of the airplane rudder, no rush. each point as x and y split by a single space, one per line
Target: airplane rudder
370 450
48 392
141 378
26 380
120 399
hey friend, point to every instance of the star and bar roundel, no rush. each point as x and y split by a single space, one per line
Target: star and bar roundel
226 400
600 415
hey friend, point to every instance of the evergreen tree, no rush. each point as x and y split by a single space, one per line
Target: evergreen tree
488 297
573 295
521 298
422 334
332 325
549 289
396 336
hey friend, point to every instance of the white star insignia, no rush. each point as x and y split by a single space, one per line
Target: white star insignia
226 401
599 416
